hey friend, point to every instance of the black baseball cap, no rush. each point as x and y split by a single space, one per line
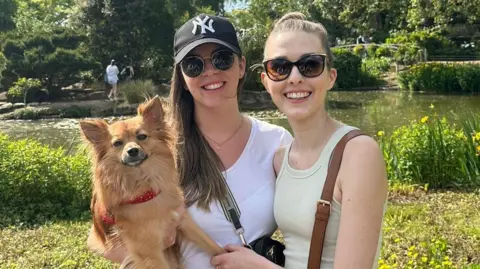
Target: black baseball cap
204 29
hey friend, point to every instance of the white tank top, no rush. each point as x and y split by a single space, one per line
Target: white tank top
296 196
252 182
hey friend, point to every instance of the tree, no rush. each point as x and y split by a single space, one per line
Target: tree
55 60
136 32
428 13
9 8
40 16
350 18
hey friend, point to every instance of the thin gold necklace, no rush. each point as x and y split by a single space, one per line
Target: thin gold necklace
218 146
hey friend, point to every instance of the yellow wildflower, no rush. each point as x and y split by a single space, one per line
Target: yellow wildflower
461 135
381 133
447 263
478 148
424 119
432 106
424 259
477 136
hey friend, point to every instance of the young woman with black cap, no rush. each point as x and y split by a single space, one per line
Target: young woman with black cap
225 158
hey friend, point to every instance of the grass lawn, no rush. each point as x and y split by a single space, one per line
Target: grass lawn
434 230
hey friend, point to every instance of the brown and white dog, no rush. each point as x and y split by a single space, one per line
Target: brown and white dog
136 189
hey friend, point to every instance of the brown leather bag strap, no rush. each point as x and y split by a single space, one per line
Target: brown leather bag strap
324 205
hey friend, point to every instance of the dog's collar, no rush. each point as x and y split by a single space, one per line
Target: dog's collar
147 196
108 218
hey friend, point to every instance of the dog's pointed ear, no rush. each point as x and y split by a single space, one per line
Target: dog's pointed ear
152 110
94 131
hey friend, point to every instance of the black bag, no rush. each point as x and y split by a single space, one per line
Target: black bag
264 246
269 248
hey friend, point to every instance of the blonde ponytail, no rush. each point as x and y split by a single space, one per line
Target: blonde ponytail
297 21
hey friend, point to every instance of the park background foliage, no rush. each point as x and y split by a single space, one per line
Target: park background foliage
76 41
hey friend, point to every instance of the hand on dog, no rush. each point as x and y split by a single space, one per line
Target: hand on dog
172 229
240 257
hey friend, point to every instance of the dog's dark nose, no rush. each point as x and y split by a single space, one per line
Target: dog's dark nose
133 152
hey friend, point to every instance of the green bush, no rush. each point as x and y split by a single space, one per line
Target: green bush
434 152
26 113
39 183
359 50
441 77
349 70
376 66
372 50
383 51
136 91
87 77
433 40
23 90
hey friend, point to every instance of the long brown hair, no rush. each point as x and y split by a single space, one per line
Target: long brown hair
296 21
199 166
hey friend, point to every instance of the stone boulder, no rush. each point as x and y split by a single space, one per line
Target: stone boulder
76 86
5 108
3 96
18 105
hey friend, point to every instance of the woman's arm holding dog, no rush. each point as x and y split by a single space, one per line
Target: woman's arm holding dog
119 253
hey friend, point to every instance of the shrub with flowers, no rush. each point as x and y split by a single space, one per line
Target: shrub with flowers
431 151
476 142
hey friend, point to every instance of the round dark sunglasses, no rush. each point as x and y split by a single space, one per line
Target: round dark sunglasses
311 65
193 66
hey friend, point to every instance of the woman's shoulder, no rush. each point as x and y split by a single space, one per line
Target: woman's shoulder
361 145
364 155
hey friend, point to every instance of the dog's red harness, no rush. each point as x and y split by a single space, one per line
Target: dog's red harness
108 218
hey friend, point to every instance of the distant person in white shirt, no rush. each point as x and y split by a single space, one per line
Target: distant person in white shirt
112 79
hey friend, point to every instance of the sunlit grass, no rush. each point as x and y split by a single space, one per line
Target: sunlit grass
56 245
442 228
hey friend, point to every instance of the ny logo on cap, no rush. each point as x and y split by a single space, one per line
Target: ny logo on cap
203 24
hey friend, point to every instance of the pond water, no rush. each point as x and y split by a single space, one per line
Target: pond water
371 111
